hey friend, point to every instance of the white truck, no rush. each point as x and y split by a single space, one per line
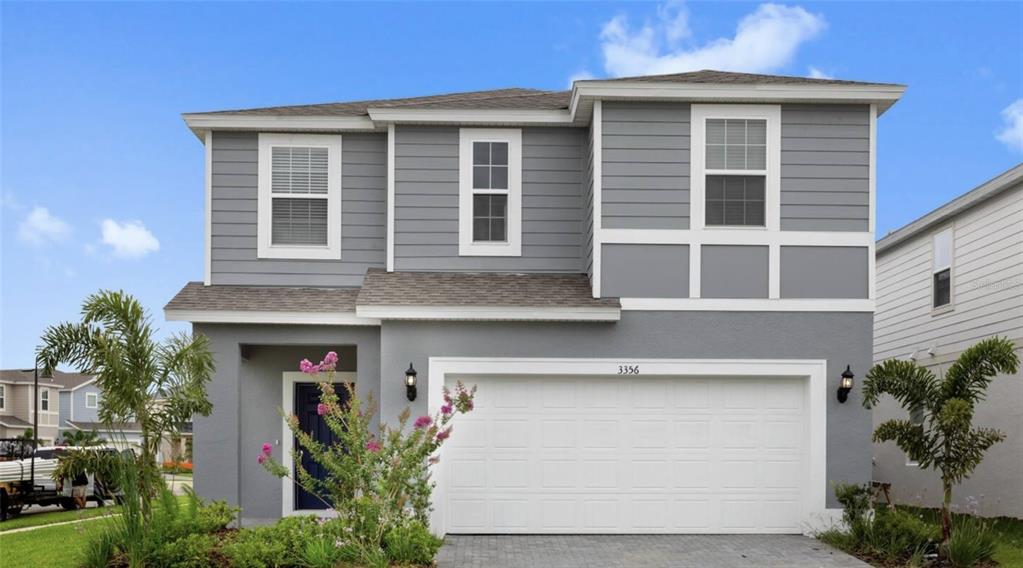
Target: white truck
29 481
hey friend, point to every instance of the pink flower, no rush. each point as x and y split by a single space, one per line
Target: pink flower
267 448
330 359
261 459
422 422
321 409
373 446
306 366
446 409
443 434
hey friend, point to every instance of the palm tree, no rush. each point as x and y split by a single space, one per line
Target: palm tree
82 438
158 385
947 442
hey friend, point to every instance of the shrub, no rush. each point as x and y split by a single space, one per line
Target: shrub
281 544
376 480
190 551
898 535
411 543
215 516
99 549
972 541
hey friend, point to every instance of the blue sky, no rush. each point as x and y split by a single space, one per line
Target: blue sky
102 183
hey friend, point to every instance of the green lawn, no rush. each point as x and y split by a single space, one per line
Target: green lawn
48 547
1010 532
39 519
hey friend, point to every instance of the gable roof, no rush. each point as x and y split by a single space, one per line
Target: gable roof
59 379
1004 181
528 99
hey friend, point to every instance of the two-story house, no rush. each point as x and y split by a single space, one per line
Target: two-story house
80 399
655 282
944 282
17 408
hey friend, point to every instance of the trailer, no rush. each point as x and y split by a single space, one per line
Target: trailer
26 478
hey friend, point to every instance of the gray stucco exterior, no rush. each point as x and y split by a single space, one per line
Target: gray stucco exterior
824 272
731 271
246 392
623 262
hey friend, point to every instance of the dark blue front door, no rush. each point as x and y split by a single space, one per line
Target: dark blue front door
307 396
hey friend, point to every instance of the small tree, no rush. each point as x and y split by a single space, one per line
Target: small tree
158 385
82 438
947 442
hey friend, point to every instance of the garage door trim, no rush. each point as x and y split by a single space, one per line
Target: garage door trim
814 372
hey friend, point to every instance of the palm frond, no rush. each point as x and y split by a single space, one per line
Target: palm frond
910 384
971 373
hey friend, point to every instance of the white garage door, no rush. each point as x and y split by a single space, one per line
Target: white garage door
636 455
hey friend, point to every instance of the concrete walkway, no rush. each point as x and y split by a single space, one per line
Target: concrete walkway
635 551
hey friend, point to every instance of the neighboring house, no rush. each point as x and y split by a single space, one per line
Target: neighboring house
655 282
79 410
944 282
17 409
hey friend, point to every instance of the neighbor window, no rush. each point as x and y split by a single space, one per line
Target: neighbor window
735 166
916 417
941 269
299 196
44 401
490 192
3 397
91 400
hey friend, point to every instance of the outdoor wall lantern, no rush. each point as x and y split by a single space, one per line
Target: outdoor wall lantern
846 385
410 383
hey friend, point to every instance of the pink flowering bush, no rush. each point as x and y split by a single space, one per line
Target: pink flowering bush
377 481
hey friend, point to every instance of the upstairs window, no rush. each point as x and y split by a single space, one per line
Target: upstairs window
736 172
44 401
3 397
91 400
299 196
941 269
490 192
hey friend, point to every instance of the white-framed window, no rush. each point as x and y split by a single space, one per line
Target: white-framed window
490 192
941 269
44 400
3 397
91 400
736 166
299 209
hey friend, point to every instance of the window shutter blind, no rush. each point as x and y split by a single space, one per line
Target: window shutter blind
299 221
299 170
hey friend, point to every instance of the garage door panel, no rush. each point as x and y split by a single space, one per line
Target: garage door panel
671 455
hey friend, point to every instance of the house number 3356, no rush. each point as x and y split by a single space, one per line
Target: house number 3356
628 369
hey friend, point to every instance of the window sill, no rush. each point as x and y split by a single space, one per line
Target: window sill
489 249
947 308
300 252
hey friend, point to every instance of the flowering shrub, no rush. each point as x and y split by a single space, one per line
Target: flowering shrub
375 481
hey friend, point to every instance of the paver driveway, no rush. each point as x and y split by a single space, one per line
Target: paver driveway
636 551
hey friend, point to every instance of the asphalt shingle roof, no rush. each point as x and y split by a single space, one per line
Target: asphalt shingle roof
59 379
382 288
520 98
196 296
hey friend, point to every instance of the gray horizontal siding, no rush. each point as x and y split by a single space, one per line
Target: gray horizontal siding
645 182
426 202
825 154
234 221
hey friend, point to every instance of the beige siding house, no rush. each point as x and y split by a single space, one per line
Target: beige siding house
944 282
17 409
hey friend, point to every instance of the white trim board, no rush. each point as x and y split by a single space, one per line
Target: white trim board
748 304
598 185
488 313
283 318
390 197
199 123
512 245
470 116
816 397
208 175
288 380
737 237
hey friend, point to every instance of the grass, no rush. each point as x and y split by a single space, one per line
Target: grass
49 547
48 518
1009 530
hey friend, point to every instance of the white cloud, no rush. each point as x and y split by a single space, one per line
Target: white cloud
1011 133
130 239
765 41
816 73
40 228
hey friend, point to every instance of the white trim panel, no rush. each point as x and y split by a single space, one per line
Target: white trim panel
390 197
737 237
284 318
747 305
470 116
598 184
488 313
208 175
814 496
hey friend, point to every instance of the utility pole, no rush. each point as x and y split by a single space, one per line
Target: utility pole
35 419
